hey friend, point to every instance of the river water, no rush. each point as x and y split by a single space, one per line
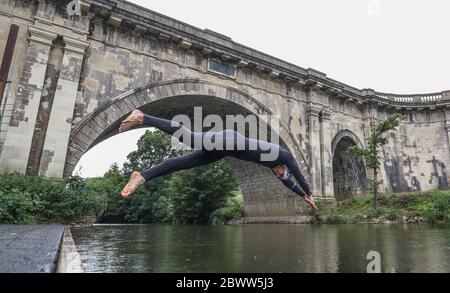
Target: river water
263 248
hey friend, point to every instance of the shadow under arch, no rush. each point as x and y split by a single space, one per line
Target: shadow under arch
349 172
164 99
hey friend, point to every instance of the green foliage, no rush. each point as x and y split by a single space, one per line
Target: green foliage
336 218
30 199
75 182
375 141
440 208
17 207
432 206
392 214
316 217
147 205
375 213
189 196
233 210
197 193
153 148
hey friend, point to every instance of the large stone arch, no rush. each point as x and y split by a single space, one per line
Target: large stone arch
263 193
349 173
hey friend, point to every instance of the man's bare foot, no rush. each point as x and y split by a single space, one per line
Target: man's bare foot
310 200
136 118
136 180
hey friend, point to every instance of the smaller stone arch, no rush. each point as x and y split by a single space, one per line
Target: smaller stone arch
345 133
349 172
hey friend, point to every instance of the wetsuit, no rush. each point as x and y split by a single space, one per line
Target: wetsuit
242 148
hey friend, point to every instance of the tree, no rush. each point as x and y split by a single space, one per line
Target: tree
197 193
75 182
375 141
187 196
149 203
110 185
153 148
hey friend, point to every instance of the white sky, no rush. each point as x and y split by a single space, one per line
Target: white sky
397 46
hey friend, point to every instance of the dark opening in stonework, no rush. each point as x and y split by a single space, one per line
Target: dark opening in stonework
349 173
218 66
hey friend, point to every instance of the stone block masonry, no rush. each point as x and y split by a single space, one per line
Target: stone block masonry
17 143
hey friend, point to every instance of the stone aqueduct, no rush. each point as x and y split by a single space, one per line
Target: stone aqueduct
74 77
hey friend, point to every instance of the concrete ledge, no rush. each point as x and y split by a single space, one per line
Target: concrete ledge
275 220
30 248
69 258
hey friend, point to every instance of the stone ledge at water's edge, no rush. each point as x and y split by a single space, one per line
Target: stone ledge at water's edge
271 220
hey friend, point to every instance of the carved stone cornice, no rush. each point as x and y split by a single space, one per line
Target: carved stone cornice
75 45
325 115
312 110
41 36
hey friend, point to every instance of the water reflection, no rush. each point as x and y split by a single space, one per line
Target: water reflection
263 248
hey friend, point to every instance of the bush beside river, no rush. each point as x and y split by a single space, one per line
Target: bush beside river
35 200
413 207
208 194
32 200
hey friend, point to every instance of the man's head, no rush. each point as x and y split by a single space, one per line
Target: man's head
279 170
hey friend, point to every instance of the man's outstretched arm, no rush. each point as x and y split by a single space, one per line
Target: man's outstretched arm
291 183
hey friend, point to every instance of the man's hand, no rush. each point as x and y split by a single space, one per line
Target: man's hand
310 200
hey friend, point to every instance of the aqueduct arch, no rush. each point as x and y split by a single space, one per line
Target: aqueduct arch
167 99
349 172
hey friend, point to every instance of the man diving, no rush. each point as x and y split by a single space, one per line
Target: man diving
284 166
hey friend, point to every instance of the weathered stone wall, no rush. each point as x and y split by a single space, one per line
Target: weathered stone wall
417 156
45 106
76 77
41 100
132 61
19 14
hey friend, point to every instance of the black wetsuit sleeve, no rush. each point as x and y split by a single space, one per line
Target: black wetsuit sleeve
292 185
295 170
290 162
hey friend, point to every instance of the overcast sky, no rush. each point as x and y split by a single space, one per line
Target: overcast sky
396 46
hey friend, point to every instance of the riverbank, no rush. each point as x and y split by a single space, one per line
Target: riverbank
34 200
413 207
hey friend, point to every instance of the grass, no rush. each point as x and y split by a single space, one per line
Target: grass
424 206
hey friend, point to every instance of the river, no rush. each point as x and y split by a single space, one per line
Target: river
263 248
